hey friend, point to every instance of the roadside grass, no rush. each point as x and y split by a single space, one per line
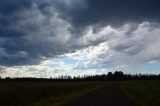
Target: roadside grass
43 94
62 99
146 93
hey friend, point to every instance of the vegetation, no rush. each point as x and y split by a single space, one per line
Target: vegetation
41 94
146 93
116 76
56 91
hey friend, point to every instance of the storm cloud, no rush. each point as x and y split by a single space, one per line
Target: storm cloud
32 31
117 12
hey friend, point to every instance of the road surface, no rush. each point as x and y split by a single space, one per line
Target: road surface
111 95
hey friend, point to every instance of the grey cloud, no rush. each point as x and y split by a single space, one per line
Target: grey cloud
2 70
35 30
117 12
142 46
33 37
11 6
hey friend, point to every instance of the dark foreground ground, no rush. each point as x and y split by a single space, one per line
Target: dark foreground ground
111 95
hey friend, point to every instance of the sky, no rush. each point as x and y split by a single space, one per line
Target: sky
50 38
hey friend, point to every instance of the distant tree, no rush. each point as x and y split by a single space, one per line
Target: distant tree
110 76
119 75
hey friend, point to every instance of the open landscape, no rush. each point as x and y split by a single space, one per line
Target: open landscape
42 94
79 52
83 93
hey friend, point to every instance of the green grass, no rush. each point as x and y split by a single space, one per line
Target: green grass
42 94
146 93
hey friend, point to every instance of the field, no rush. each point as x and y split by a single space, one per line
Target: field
41 94
145 93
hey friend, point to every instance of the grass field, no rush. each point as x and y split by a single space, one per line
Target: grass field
146 93
42 94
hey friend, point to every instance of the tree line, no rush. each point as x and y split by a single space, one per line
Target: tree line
116 76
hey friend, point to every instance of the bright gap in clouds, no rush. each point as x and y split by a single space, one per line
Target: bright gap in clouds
132 50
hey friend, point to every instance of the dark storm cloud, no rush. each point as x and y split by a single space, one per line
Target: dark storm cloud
117 12
30 32
35 30
7 7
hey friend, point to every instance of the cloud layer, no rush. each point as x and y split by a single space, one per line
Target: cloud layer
95 34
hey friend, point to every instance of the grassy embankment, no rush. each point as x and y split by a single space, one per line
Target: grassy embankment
146 93
42 94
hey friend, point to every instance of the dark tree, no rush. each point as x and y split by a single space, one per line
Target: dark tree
118 75
110 76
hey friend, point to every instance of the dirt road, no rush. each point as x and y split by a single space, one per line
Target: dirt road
111 95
